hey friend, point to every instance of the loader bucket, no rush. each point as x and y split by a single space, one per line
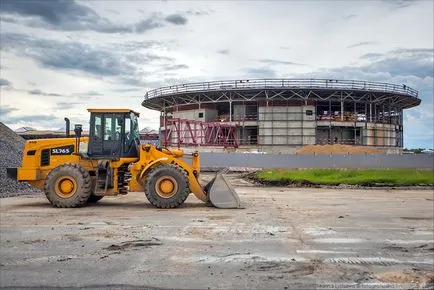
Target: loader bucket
221 194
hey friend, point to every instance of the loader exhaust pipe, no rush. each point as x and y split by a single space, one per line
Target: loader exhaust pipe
67 127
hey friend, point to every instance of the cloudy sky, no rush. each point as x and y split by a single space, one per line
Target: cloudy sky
59 58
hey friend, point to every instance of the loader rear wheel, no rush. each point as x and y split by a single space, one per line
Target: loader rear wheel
166 186
68 185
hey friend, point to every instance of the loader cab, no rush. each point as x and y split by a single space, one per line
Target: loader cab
113 133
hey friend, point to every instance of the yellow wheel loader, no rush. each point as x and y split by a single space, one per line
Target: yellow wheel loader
73 171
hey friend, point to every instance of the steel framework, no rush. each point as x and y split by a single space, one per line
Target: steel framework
181 132
264 112
163 98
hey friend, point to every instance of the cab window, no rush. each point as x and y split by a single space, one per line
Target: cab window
108 130
97 127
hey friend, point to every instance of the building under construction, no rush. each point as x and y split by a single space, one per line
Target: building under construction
279 115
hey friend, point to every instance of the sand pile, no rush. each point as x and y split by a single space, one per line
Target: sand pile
337 149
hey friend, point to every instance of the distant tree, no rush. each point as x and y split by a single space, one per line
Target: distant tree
418 150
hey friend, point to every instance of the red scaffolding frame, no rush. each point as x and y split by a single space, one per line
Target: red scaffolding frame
183 132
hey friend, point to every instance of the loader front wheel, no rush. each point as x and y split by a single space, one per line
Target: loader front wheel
166 186
68 185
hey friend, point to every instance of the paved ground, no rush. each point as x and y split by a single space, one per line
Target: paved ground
293 238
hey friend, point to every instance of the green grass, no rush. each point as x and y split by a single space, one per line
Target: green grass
348 176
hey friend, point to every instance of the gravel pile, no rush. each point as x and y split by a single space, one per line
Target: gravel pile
11 151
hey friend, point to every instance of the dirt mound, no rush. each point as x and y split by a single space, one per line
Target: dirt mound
337 149
422 278
11 151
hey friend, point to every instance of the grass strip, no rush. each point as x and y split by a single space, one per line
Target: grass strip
364 177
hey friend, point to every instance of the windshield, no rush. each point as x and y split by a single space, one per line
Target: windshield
134 126
131 131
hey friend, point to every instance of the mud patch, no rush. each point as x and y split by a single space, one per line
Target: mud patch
134 244
73 238
416 218
313 269
421 248
34 241
420 277
102 234
219 217
294 269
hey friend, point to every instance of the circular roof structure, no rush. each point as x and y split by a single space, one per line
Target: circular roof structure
247 90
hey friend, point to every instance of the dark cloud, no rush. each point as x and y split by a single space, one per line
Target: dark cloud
279 62
398 4
148 24
65 105
349 16
261 72
371 56
362 44
198 12
123 90
413 67
5 82
223 51
72 16
397 63
41 93
176 19
60 15
68 56
87 95
148 57
5 110
54 11
6 117
7 19
34 118
403 62
176 67
126 63
113 11
93 93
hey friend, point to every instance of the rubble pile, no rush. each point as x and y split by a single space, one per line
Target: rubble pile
11 151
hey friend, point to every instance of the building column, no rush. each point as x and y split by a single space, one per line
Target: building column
230 111
342 111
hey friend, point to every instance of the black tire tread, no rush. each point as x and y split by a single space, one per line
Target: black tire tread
174 201
84 184
94 198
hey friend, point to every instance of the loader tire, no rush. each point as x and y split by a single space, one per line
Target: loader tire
94 198
68 185
166 186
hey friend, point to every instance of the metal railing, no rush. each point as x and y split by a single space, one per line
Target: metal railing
282 84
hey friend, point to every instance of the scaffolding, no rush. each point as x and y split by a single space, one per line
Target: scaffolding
182 132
